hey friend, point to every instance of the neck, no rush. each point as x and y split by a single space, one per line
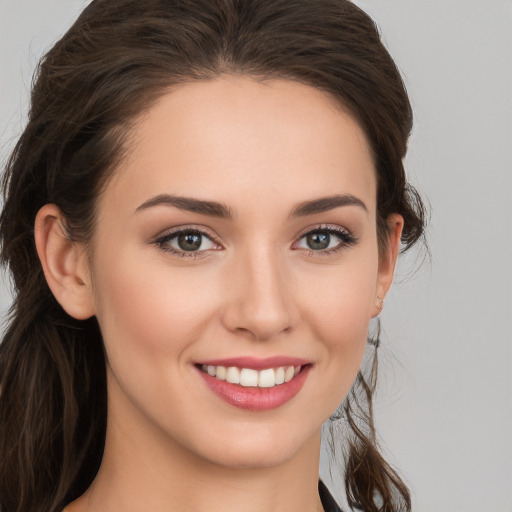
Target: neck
142 469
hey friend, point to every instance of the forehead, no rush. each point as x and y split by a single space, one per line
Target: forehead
236 138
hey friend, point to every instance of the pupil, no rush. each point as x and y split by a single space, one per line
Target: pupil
189 241
318 241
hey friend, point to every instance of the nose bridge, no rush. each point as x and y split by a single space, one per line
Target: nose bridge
261 301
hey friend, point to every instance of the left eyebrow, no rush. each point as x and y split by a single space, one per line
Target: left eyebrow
325 204
211 208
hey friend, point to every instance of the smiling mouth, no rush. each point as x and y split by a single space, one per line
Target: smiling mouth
249 377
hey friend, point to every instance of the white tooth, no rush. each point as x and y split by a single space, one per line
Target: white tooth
279 375
288 376
233 375
267 378
248 377
211 370
296 370
221 373
204 368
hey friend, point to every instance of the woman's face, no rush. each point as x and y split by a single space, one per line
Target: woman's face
239 233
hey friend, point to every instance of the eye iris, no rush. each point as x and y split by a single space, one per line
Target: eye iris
189 241
318 241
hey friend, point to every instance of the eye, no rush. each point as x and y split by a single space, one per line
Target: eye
325 240
186 242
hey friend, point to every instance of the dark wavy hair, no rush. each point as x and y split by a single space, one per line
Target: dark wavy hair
117 59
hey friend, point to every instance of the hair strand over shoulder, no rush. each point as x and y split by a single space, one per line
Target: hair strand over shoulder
115 61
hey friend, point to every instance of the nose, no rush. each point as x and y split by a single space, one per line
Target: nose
261 303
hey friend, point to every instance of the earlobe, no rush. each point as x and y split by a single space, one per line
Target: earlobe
387 261
64 263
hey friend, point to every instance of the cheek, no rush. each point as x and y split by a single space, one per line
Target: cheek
147 310
339 310
341 297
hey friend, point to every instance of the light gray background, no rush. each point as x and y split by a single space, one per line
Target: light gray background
444 408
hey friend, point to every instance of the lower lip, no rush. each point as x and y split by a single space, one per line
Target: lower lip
255 398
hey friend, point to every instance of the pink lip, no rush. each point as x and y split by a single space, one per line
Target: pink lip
255 363
255 398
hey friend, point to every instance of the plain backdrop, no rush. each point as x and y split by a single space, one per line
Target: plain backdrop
444 406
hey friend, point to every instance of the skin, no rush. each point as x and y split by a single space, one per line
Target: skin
257 290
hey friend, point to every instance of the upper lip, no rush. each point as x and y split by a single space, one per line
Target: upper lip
256 363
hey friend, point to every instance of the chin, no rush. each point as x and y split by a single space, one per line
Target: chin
250 458
260 449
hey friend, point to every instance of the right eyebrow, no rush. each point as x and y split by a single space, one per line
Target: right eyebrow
325 204
189 204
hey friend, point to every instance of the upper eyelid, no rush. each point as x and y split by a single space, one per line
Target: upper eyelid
205 230
323 227
346 237
170 232
164 238
181 229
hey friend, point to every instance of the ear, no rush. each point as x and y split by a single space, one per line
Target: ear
64 263
387 260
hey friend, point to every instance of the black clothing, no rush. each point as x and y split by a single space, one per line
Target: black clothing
327 500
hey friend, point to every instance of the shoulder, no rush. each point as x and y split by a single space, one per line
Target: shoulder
328 501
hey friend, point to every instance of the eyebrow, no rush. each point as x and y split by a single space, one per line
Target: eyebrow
215 209
325 204
190 204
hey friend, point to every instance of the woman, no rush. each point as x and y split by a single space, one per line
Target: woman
201 218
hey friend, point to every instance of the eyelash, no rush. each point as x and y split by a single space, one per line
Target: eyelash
163 242
346 240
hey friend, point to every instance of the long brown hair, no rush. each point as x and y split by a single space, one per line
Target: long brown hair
115 61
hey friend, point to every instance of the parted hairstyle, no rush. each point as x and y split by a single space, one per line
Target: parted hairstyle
117 59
